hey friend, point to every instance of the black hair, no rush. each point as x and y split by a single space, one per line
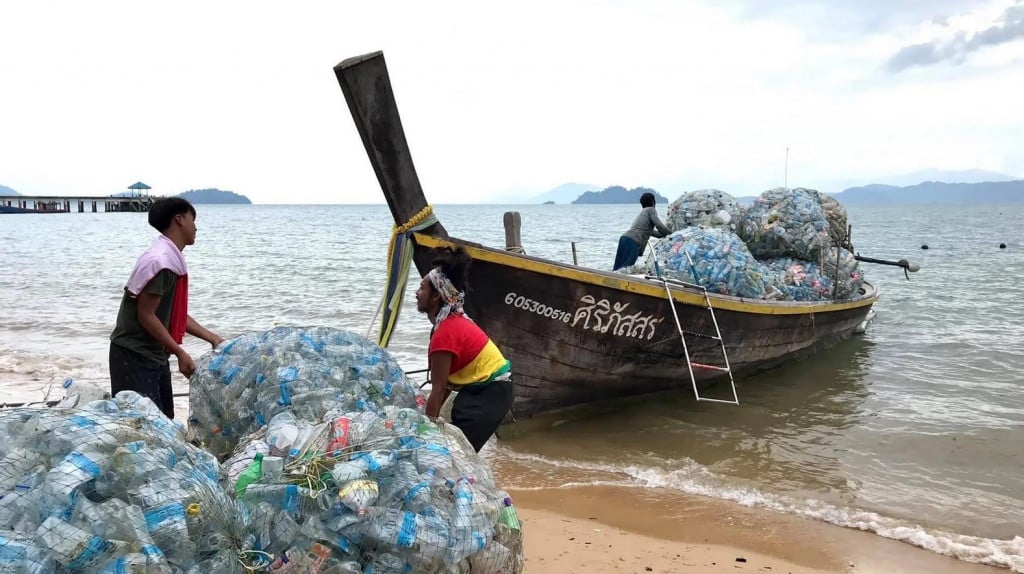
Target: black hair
455 265
647 199
162 212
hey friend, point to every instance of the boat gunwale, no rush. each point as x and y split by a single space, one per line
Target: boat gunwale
649 287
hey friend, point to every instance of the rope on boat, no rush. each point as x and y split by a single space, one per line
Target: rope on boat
399 262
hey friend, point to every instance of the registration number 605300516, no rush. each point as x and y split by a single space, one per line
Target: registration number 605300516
533 306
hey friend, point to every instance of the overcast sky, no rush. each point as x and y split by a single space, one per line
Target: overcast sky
504 97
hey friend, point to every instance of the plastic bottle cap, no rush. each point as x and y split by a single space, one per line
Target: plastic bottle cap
193 509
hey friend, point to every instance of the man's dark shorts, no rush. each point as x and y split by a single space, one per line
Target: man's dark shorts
130 371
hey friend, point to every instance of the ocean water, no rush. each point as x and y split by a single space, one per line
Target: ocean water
911 431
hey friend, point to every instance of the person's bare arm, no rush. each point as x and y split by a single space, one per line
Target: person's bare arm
440 368
192 327
147 304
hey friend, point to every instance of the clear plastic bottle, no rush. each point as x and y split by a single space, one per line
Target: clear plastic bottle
433 456
76 469
281 433
26 556
74 548
358 495
395 527
16 464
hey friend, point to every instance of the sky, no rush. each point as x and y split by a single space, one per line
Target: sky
507 100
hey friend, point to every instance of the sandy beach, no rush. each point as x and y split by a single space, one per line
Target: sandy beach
600 529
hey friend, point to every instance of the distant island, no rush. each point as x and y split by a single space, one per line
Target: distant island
618 194
548 203
4 190
935 192
212 195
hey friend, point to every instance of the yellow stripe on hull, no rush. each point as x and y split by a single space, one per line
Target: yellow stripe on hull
643 287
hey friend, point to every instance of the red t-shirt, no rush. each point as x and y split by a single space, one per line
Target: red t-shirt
460 337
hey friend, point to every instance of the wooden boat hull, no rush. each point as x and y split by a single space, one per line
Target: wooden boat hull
576 336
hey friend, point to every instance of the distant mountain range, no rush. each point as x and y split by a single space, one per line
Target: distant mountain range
4 190
936 192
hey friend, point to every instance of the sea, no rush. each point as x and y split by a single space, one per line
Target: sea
912 431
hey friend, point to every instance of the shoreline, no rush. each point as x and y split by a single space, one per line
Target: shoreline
603 529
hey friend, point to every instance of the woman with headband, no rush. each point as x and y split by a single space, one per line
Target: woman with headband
462 357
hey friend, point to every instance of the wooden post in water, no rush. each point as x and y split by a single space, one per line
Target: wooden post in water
575 261
513 239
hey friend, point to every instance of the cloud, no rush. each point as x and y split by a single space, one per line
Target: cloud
1009 27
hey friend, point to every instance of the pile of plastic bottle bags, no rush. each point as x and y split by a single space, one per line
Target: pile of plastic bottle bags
799 223
784 247
112 487
338 466
357 480
705 207
720 261
306 371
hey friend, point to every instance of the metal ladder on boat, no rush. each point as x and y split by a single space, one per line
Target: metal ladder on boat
690 365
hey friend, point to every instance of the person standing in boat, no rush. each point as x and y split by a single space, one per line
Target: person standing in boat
634 241
153 317
462 357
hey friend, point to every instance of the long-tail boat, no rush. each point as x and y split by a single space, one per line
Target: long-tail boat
576 335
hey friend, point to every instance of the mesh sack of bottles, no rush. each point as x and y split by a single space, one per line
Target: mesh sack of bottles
112 487
788 279
249 379
354 479
720 261
798 223
704 207
387 492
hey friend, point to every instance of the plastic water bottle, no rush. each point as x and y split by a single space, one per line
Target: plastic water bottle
307 432
285 496
433 456
359 495
71 394
75 470
281 433
346 471
16 464
395 527
375 460
495 558
385 563
420 495
284 532
73 548
273 469
19 555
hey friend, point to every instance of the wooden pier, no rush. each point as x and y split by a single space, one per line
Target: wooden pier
64 204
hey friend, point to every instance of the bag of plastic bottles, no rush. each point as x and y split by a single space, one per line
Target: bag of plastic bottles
720 261
850 278
248 380
705 207
798 223
112 487
374 491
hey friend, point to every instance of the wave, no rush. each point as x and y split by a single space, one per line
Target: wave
695 479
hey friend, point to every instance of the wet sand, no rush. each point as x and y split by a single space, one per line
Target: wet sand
599 529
